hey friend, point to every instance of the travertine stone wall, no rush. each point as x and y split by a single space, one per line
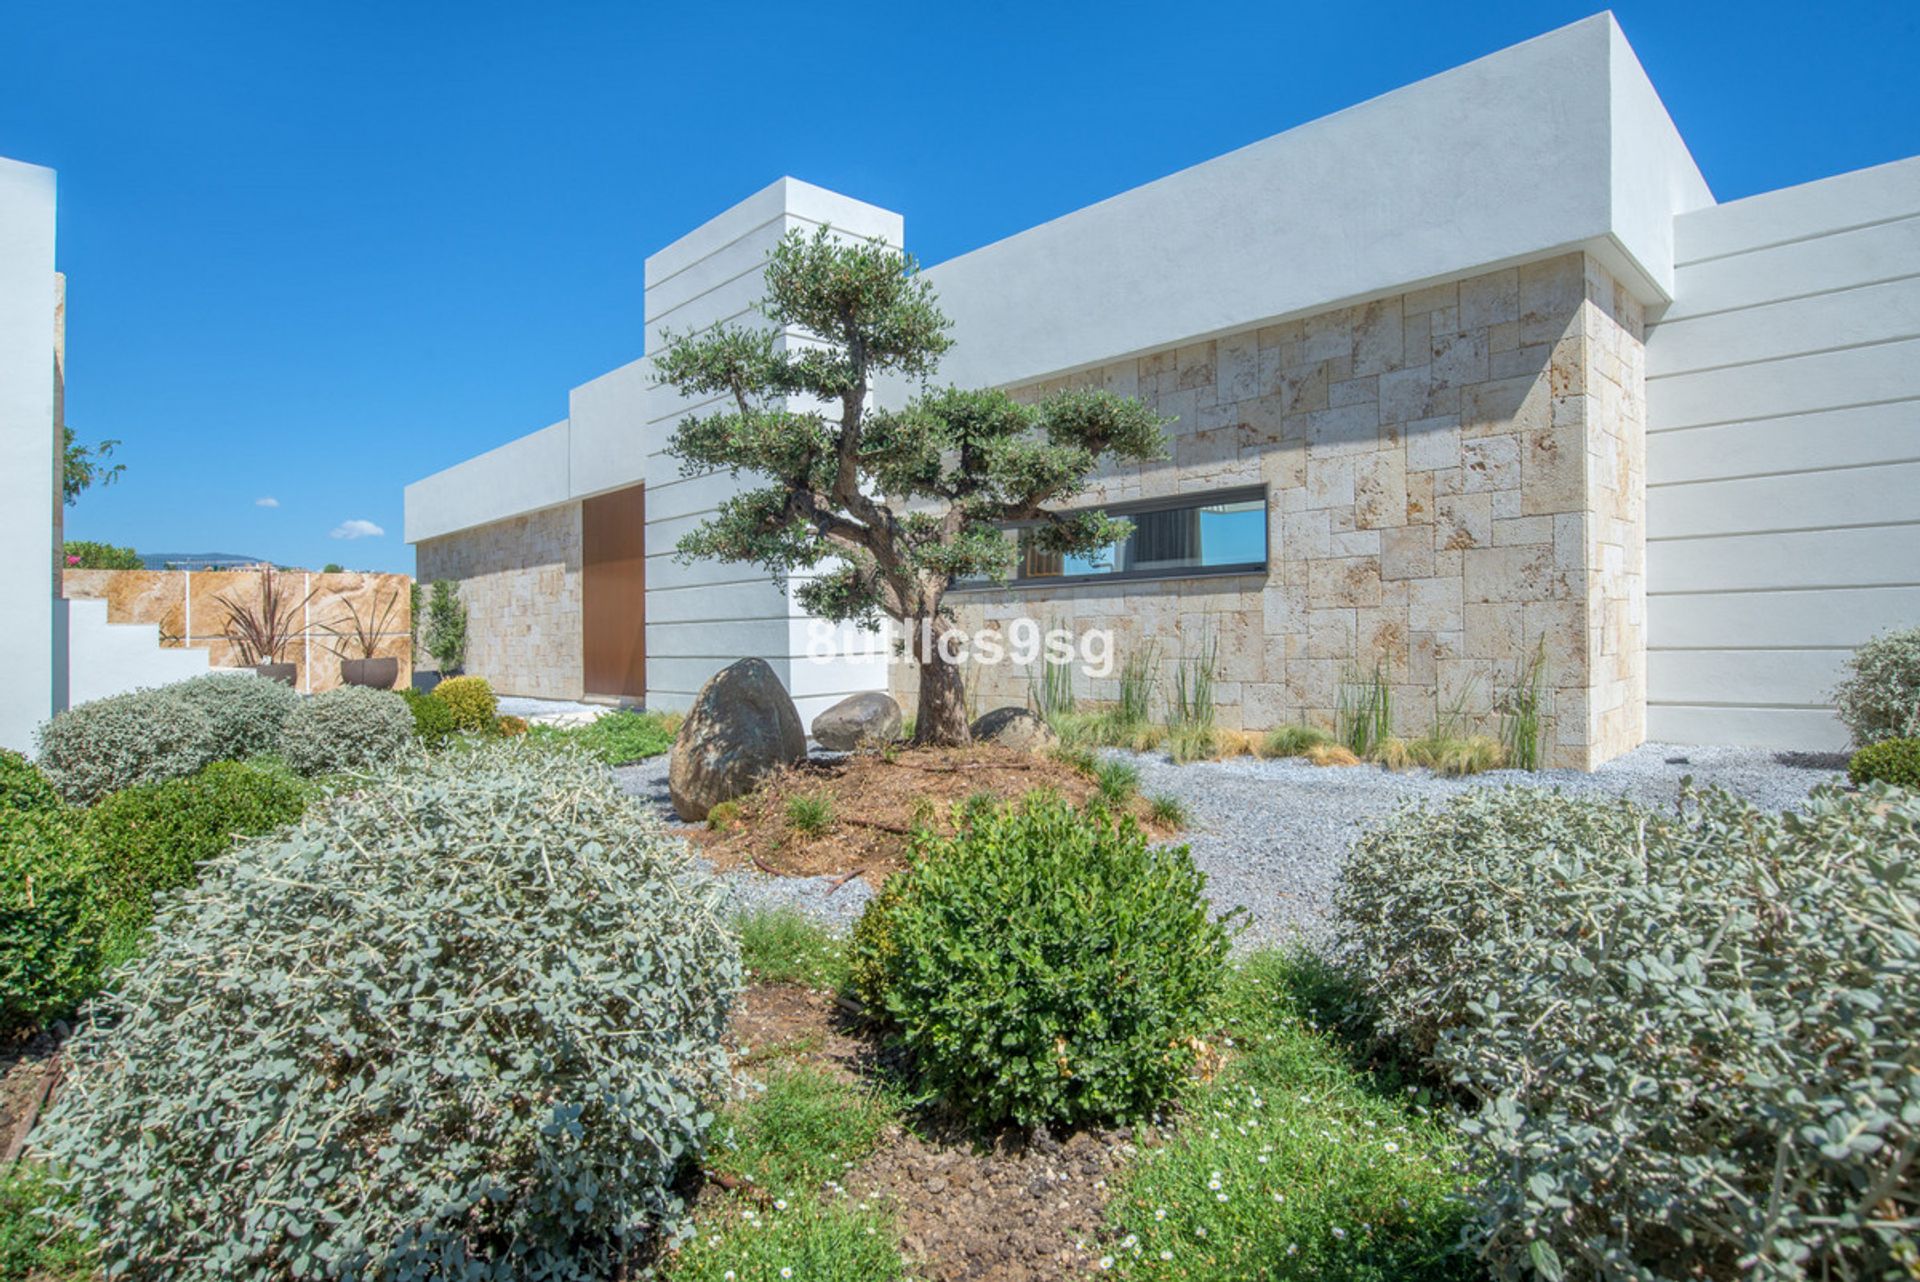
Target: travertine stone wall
189 607
520 579
1455 476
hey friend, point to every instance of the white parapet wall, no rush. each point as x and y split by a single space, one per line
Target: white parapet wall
111 658
1783 409
32 650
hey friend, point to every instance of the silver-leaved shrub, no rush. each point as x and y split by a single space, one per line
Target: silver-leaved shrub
348 728
143 736
1694 1037
462 1023
247 712
1879 698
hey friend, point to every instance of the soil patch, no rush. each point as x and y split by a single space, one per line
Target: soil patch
1009 1208
874 802
28 1075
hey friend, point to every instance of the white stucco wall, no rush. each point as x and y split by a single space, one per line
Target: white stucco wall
1553 144
1783 505
32 678
112 658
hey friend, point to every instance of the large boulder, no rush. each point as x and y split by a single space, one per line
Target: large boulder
1015 728
742 727
862 720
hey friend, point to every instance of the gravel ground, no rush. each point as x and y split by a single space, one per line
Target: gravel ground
1271 835
647 780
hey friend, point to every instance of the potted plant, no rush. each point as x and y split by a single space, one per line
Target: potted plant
356 640
261 630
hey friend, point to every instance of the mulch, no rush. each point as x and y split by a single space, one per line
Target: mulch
878 800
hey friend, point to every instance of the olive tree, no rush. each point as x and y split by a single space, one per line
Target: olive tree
884 509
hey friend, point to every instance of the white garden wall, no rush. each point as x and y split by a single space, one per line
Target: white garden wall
1783 408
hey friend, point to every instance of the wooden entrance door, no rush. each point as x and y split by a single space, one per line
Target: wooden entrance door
613 556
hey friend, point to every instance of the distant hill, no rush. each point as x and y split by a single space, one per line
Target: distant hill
194 560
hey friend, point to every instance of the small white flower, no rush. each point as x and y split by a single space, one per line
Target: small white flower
1219 1197
1391 1147
785 1272
1339 1232
779 1203
1166 1255
1199 1230
1106 1261
1160 1213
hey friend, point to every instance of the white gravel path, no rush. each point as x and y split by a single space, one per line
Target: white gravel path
1271 835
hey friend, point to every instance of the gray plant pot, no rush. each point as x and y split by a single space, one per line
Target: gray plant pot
376 674
285 673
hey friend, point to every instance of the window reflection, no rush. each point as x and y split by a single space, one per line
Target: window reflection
1167 540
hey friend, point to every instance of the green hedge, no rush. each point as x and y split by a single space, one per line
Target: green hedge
23 787
1691 1036
49 917
433 723
1045 965
1894 761
349 728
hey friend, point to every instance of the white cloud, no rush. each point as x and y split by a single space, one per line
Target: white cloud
268 501
356 529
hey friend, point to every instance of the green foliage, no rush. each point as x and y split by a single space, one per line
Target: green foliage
153 837
1691 1035
460 1023
808 1238
433 723
1051 686
1165 808
348 728
960 465
784 946
471 701
799 1128
1525 715
722 815
32 1248
810 815
1117 782
1880 696
1363 711
49 919
332 567
510 727
139 737
86 466
1192 741
23 787
1290 1164
1045 965
1193 681
1294 741
1894 761
1139 671
446 636
84 554
619 738
247 713
414 602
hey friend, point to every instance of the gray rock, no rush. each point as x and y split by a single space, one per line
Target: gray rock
742 727
860 720
1015 728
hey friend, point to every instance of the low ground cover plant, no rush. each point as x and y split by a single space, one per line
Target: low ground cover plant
142 736
798 1128
1880 696
1291 1163
1044 964
348 728
806 1238
619 738
246 713
784 946
1688 1037
452 964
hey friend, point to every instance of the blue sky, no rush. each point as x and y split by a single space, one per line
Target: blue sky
316 251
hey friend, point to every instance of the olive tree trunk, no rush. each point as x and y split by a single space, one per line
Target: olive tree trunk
941 718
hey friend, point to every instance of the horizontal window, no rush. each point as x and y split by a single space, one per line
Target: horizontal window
1198 534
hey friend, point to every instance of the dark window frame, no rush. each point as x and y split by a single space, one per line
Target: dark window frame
1172 503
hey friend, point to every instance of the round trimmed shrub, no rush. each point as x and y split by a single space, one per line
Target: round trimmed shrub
1690 1036
142 736
463 1022
23 787
1880 696
471 701
247 712
1045 965
432 720
49 946
1894 761
349 728
153 837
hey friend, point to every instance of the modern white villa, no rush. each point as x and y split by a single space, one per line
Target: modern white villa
1470 371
